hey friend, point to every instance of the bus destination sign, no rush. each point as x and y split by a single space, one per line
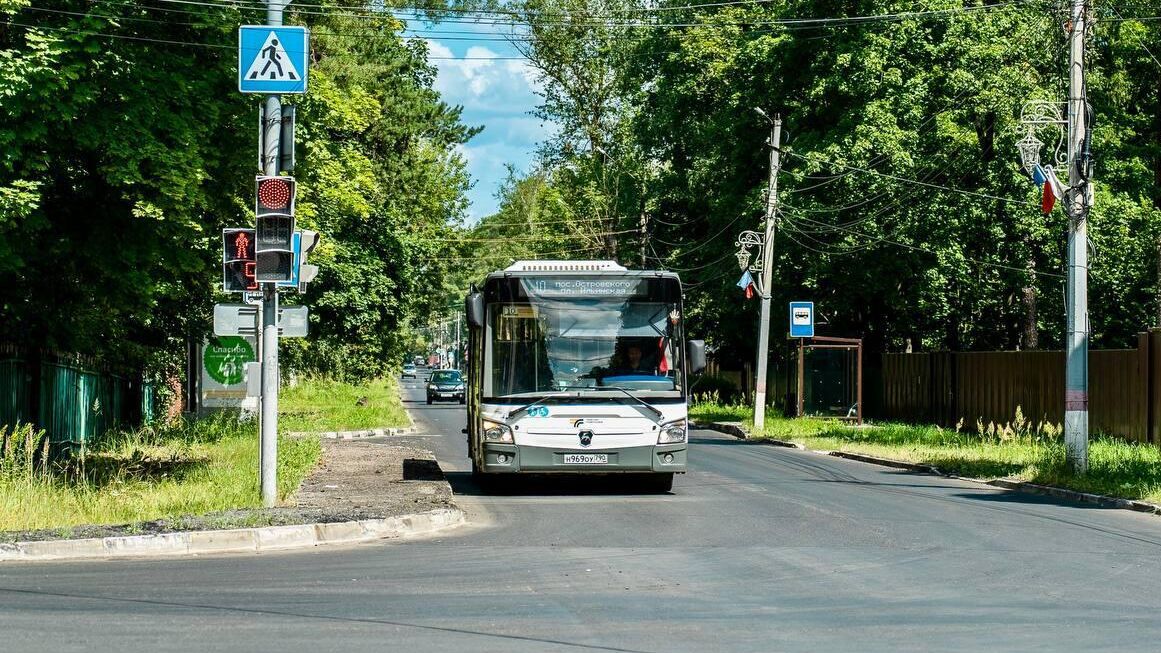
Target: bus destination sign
591 287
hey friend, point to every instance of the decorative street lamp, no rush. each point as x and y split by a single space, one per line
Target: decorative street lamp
745 241
1029 147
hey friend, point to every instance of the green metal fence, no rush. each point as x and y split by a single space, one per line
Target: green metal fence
71 397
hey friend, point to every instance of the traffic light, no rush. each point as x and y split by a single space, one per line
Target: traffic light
308 240
238 263
274 246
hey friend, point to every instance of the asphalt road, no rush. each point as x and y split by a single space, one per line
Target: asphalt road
757 549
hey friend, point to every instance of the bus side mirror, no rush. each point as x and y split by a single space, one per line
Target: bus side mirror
696 350
474 309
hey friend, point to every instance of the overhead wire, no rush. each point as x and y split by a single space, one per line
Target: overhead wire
934 253
914 181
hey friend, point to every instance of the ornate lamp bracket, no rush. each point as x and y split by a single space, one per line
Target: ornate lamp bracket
1037 115
745 241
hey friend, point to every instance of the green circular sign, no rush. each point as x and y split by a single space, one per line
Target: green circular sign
225 359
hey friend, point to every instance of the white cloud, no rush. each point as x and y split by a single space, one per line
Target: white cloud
484 78
499 93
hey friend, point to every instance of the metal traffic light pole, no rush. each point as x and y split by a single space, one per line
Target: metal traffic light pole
268 435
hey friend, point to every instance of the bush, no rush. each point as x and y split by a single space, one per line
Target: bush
720 388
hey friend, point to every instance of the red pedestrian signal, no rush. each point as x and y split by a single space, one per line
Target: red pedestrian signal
239 264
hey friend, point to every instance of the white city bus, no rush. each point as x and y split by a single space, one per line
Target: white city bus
579 367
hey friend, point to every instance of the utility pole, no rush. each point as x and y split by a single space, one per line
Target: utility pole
643 224
1077 207
268 435
767 273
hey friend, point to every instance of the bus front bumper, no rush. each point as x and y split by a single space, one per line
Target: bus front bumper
511 458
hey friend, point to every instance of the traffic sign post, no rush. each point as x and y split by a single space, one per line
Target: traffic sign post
272 59
801 319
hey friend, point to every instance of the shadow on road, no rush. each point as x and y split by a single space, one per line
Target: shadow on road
463 484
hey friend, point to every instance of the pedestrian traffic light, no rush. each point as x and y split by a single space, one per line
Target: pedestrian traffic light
238 263
274 246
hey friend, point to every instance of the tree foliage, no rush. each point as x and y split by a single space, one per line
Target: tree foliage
903 211
125 148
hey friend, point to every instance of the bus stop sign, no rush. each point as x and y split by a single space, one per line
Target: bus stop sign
801 319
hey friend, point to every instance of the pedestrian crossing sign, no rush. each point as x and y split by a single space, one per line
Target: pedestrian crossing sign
272 60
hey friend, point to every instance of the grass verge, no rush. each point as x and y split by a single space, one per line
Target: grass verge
1015 450
318 404
159 472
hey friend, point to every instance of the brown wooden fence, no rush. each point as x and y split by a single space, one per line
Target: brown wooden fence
945 387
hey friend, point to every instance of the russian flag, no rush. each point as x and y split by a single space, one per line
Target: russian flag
1053 189
664 355
747 283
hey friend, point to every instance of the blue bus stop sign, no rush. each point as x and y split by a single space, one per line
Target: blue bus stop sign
272 60
801 319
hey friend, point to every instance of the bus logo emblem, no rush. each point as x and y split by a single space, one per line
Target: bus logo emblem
586 438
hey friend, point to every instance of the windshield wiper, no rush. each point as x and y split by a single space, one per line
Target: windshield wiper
541 400
660 415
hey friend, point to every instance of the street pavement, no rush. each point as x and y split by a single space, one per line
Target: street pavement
758 548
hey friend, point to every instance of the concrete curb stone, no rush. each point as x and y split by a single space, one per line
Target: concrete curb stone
733 428
237 540
739 431
354 435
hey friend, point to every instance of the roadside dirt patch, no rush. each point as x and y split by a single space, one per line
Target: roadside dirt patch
354 480
361 480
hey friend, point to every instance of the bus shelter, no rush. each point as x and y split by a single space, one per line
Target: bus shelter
825 378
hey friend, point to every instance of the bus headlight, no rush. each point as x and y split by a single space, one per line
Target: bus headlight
494 432
672 433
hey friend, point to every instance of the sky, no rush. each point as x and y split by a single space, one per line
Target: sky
497 94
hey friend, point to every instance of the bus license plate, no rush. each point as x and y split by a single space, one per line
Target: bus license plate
586 458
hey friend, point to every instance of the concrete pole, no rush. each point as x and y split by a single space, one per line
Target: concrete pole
1076 361
268 436
767 277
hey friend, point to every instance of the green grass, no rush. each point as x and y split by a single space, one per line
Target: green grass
317 404
186 469
1015 450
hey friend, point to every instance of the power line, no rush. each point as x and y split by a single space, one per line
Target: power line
524 18
915 181
934 253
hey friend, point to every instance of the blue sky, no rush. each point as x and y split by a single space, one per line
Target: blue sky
496 88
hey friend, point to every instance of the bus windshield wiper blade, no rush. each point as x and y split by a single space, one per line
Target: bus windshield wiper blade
541 400
660 415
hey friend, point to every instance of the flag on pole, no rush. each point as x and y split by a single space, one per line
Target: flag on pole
1053 189
747 283
664 356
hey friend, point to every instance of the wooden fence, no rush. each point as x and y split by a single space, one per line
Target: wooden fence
946 387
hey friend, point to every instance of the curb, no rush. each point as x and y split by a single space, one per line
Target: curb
354 435
738 431
735 429
238 540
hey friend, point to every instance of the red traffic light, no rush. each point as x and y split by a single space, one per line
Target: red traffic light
275 195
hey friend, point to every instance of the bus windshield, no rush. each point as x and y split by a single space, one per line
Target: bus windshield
540 344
